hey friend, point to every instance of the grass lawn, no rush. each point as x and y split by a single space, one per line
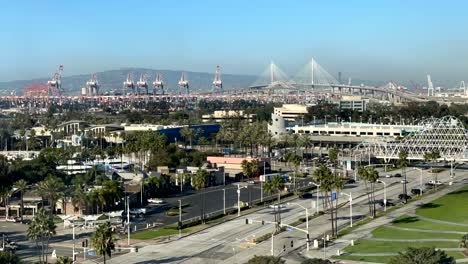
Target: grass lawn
364 259
448 207
414 222
385 259
370 246
387 232
151 234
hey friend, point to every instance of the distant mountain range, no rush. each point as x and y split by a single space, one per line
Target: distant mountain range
113 80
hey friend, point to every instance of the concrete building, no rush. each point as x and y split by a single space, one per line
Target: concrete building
353 102
355 130
220 116
233 165
282 116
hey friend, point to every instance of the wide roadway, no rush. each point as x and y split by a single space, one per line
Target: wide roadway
229 242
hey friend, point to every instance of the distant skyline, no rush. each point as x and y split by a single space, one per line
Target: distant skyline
371 40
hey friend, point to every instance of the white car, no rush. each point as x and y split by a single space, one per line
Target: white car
404 181
155 201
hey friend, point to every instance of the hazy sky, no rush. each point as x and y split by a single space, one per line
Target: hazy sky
375 40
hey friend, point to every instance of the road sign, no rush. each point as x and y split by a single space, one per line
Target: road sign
333 196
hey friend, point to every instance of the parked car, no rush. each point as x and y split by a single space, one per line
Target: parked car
417 191
402 196
388 176
398 175
432 182
404 181
350 181
389 203
155 200
306 195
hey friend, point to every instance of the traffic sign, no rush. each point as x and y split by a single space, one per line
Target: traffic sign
333 196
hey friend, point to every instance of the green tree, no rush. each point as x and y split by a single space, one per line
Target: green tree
464 242
275 185
64 260
41 229
9 257
200 182
403 163
324 176
103 240
21 185
370 177
246 168
79 199
5 195
423 255
266 260
52 189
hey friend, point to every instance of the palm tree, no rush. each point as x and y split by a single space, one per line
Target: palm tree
370 176
403 163
64 260
21 185
52 189
200 182
103 240
324 177
5 194
276 184
246 168
79 199
41 229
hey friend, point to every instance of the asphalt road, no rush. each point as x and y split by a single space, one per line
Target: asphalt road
229 242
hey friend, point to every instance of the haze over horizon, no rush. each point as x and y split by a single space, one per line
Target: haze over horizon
373 40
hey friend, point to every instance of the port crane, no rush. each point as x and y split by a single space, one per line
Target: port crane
129 84
92 86
158 84
183 84
217 83
142 84
54 85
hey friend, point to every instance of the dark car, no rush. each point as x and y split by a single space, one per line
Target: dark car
398 175
402 196
389 203
306 195
417 191
350 181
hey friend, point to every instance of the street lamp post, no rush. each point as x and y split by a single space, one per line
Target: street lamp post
128 220
420 180
238 198
385 194
317 196
261 182
224 201
180 218
73 258
350 208
307 220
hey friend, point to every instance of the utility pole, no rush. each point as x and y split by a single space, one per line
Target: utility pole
128 220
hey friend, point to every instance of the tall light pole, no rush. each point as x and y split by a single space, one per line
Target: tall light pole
261 182
238 198
73 258
420 180
128 220
317 196
350 208
180 218
307 220
384 194
224 201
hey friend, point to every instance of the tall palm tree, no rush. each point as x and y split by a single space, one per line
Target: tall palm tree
52 189
21 185
41 229
103 240
324 177
276 184
200 182
370 176
5 194
403 163
79 199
